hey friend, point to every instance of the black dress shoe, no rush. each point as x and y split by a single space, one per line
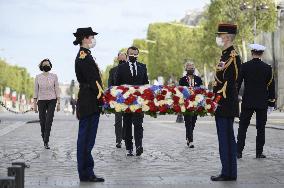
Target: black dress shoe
239 155
129 153
118 145
222 178
260 156
93 179
187 142
46 146
139 151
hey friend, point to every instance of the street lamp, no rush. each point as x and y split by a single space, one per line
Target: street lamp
255 7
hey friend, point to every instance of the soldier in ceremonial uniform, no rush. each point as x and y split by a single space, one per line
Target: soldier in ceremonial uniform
225 85
190 80
258 97
88 104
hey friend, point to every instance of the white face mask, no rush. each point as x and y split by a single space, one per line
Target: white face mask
219 41
93 44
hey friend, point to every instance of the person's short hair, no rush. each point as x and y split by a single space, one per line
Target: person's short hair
121 53
132 48
79 39
189 63
258 53
40 64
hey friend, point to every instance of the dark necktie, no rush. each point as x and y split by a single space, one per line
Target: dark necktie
134 69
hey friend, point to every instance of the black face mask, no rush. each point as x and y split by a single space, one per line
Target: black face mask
132 59
122 61
46 68
190 72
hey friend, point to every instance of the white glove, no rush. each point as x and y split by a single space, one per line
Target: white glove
270 110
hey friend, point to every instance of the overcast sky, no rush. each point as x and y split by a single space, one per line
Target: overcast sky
31 30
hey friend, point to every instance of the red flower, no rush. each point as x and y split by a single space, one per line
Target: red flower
127 110
164 92
192 97
208 101
139 110
176 99
177 108
109 97
130 100
163 108
191 109
148 95
152 106
210 94
136 87
160 97
199 109
137 93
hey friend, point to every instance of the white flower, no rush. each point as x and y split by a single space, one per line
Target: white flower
162 102
126 95
114 92
199 98
169 102
140 100
208 106
133 108
118 108
156 102
112 104
194 103
182 108
145 108
131 90
181 100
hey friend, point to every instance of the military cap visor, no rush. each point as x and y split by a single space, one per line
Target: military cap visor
227 29
87 31
257 47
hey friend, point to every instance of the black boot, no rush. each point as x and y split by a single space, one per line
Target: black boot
260 156
46 146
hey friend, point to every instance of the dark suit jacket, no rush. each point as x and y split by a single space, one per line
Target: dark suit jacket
112 76
226 84
259 86
197 81
124 76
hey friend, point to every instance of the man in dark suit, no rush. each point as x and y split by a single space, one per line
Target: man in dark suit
121 58
258 97
190 80
225 86
132 73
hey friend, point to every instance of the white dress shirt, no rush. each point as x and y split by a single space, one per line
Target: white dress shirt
131 68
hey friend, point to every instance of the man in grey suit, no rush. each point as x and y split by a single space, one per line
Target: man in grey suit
119 133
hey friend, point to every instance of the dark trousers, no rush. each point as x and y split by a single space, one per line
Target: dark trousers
227 145
137 120
261 118
119 132
46 110
86 140
189 122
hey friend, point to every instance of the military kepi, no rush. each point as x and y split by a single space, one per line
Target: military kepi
257 47
85 31
227 29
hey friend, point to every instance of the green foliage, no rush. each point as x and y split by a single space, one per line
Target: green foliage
17 78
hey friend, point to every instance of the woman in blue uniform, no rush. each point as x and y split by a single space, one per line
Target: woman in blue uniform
88 104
